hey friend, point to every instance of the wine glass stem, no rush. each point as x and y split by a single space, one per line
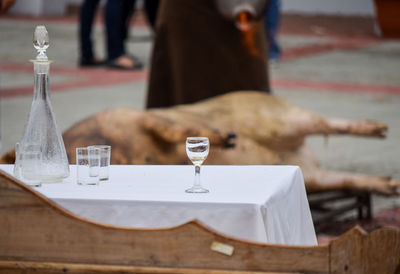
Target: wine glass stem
197 176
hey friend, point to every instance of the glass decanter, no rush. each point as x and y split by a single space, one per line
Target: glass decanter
41 154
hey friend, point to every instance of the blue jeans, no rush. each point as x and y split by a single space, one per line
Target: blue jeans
116 16
272 17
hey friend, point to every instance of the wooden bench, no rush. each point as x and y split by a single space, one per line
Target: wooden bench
38 236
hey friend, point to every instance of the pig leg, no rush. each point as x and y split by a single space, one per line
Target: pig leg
173 130
323 180
358 128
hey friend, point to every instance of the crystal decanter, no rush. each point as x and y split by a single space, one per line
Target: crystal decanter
41 155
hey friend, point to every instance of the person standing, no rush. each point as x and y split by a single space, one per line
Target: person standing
198 54
117 15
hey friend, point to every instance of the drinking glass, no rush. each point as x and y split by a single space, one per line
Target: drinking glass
87 165
197 149
105 156
28 164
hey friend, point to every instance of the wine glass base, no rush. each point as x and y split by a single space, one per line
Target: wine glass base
196 190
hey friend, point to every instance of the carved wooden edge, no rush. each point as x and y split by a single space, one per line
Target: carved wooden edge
19 184
36 229
357 251
20 206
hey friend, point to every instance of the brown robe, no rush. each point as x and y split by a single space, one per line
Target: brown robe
199 54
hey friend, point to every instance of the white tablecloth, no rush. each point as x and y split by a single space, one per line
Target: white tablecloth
258 203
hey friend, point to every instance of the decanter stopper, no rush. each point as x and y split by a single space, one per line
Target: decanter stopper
41 42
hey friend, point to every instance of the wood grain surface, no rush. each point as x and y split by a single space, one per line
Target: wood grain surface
38 236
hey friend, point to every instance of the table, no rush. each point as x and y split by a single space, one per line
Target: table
265 204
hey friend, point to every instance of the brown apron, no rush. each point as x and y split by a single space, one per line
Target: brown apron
199 54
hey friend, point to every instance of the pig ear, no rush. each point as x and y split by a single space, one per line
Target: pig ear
174 130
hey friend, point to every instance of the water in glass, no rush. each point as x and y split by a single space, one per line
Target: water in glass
197 149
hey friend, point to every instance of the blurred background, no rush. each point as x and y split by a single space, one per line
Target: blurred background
338 58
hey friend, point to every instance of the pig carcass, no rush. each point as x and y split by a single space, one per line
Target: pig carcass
244 128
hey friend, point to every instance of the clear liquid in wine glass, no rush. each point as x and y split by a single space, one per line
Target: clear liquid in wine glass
197 153
197 149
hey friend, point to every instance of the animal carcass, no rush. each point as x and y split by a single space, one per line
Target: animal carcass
267 130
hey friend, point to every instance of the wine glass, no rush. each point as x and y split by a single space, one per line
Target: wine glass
197 149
